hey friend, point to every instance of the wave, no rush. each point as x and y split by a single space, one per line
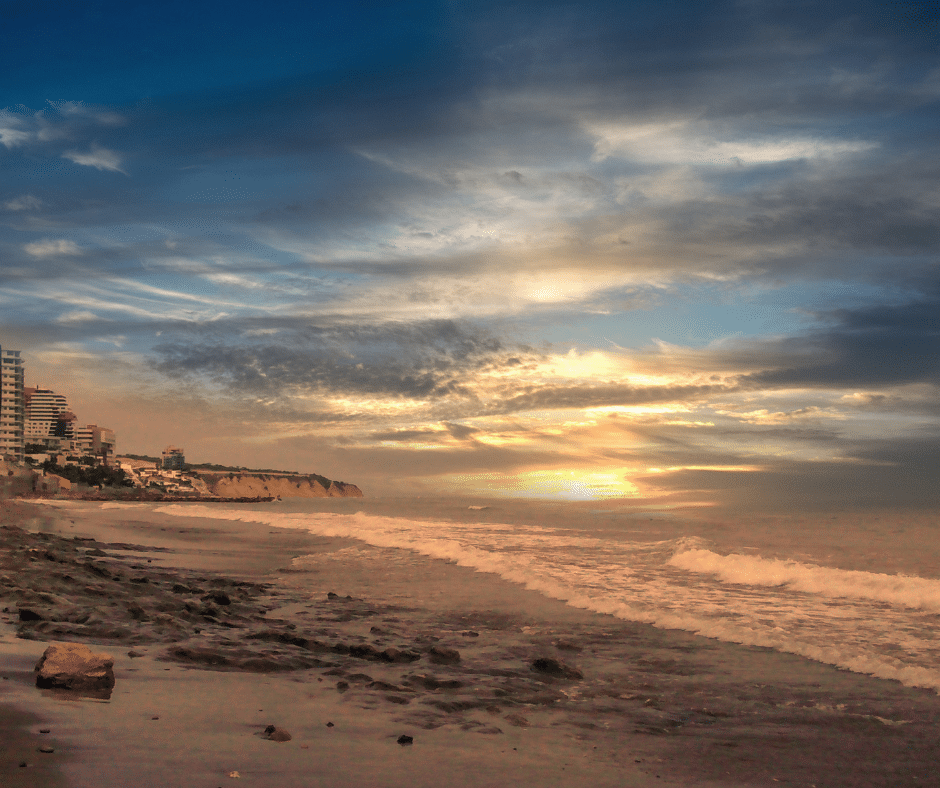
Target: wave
905 590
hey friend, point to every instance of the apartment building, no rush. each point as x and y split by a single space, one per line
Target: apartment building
47 417
11 405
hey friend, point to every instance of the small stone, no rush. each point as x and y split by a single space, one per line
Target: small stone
272 733
404 740
329 725
46 748
552 667
45 730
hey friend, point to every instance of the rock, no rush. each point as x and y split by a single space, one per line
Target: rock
404 740
219 597
46 748
364 651
552 667
272 733
517 719
74 666
440 655
27 614
397 655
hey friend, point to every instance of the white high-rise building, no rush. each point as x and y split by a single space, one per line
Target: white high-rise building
47 416
11 404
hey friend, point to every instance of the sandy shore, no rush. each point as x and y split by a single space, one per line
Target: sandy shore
217 633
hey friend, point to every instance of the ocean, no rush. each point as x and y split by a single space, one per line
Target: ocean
857 590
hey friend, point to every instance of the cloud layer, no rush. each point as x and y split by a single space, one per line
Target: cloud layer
687 252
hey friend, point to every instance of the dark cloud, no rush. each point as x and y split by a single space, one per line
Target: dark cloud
881 345
422 360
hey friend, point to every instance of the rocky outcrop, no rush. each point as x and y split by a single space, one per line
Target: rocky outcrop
74 666
248 485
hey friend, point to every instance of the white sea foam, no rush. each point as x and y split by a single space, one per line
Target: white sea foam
862 621
914 592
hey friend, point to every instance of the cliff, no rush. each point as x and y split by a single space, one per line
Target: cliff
250 485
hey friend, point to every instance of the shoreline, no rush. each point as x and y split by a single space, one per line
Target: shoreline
654 707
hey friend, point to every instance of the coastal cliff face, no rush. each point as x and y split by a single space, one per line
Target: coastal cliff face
251 485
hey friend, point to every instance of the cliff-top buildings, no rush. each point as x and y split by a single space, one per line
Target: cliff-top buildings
11 405
173 458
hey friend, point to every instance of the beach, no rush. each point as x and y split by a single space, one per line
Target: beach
218 631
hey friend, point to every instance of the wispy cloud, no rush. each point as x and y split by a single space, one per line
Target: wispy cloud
25 202
49 247
97 157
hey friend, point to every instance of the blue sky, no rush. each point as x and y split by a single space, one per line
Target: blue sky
682 253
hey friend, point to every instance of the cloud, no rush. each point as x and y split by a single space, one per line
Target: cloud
97 157
418 361
77 316
12 133
25 202
49 247
685 142
881 345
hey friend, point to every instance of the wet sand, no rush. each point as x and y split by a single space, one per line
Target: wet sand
217 633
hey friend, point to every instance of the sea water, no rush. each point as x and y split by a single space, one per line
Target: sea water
862 595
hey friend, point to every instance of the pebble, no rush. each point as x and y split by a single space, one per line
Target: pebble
272 733
404 740
45 730
46 748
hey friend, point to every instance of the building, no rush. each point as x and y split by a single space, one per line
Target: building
173 458
94 440
48 418
11 405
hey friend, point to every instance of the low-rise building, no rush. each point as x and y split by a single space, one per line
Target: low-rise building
94 440
173 458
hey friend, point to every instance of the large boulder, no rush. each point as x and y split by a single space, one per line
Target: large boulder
74 666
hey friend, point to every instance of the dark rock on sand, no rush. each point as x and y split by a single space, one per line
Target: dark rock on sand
397 655
273 733
28 614
273 636
363 651
552 667
74 666
404 740
432 683
440 655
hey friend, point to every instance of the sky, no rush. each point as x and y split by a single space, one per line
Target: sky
682 254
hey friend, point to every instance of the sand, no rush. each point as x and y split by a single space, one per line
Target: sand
216 634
